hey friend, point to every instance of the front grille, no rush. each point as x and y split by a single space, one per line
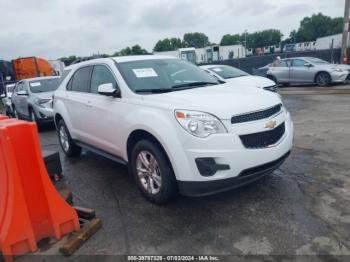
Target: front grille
263 139
256 115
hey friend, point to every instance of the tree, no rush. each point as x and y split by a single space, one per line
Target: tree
230 39
318 25
168 44
197 40
254 40
134 50
68 60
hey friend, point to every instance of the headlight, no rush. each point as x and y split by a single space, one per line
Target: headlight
43 102
199 124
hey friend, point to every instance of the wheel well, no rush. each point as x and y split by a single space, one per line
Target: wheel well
58 117
138 135
271 77
320 73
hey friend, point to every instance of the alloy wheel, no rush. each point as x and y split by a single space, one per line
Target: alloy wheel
64 138
148 172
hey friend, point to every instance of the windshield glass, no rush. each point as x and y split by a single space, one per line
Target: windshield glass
43 85
163 75
315 60
228 71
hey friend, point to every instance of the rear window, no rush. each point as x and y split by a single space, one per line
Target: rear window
43 85
80 80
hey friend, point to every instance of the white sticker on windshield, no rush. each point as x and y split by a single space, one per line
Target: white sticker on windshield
217 69
145 72
34 84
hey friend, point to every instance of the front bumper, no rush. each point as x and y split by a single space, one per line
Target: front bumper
247 176
228 150
340 77
44 114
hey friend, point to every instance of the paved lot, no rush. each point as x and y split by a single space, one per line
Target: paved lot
303 208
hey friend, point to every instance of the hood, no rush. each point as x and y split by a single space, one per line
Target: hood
344 67
256 81
223 100
43 95
332 66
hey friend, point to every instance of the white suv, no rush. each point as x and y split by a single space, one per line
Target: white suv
178 128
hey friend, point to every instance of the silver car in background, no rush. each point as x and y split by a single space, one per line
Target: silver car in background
32 99
308 70
7 99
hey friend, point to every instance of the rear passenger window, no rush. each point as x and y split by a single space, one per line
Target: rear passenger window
80 80
101 75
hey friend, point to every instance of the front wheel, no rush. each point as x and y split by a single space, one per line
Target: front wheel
323 79
69 148
153 172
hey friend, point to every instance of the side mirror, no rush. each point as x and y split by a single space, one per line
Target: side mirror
22 93
308 65
108 90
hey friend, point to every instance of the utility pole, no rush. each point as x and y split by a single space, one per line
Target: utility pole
344 55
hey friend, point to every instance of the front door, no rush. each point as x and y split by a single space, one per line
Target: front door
104 112
300 73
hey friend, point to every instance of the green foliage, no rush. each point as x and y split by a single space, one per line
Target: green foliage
254 40
134 50
167 44
318 25
197 40
68 60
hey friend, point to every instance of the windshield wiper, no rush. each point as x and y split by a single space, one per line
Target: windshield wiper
154 90
194 84
234 76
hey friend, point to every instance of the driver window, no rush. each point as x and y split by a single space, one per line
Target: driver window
101 75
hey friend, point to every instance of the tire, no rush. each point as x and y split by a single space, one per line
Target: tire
156 181
15 113
323 79
69 148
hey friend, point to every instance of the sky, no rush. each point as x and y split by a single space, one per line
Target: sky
57 28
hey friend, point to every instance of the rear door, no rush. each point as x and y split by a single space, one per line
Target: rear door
300 73
281 71
76 101
102 125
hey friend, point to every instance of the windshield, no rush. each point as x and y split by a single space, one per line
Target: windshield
227 71
163 75
317 60
43 85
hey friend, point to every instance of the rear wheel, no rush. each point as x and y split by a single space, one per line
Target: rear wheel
153 172
15 114
323 79
68 146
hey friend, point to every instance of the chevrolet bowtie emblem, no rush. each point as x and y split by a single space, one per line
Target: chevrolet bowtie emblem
271 124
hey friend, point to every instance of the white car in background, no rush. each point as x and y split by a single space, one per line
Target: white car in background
177 127
239 78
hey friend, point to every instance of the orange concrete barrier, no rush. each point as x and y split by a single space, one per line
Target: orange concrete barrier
2 117
31 208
